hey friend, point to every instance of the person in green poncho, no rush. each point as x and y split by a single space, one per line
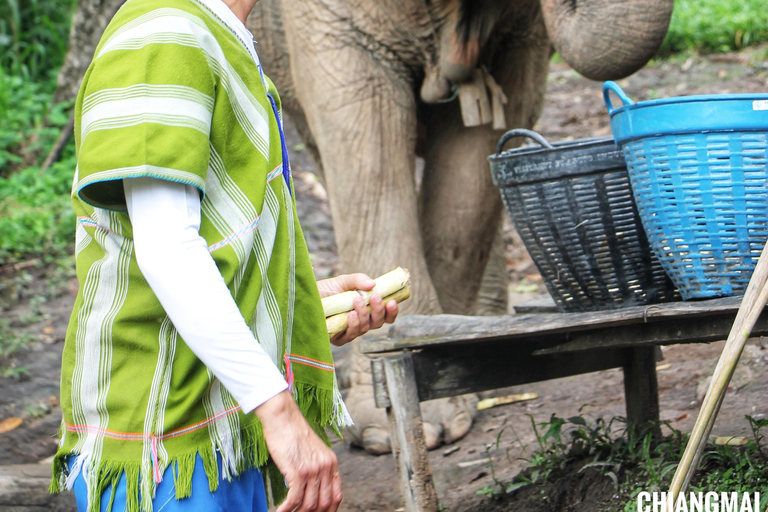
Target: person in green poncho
197 362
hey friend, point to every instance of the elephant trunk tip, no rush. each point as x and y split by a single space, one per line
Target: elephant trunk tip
607 39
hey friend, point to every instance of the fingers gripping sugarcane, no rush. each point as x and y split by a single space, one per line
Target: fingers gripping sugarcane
392 285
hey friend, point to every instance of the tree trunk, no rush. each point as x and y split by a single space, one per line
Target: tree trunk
90 20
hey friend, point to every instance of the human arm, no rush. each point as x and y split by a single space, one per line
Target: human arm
174 259
309 466
360 320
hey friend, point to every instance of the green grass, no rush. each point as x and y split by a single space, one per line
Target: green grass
11 341
634 459
715 25
36 218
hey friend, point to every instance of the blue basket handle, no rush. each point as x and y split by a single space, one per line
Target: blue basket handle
613 86
522 132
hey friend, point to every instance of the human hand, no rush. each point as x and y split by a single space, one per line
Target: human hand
309 466
362 318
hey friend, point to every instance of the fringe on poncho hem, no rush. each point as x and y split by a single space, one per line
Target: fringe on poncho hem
322 408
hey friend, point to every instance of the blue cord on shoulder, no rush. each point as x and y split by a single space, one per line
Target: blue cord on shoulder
286 162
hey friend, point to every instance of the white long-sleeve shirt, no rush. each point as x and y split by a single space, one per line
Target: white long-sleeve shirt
193 292
175 261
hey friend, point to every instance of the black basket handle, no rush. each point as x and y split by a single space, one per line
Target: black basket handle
522 132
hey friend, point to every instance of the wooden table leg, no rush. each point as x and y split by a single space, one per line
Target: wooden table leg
406 432
641 388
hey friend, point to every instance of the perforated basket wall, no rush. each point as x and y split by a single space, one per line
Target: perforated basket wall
697 165
573 208
704 203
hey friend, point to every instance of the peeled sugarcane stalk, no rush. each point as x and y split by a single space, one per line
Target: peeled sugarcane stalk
338 323
386 285
752 305
392 285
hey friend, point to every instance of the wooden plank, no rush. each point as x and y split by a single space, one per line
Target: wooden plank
24 487
451 371
421 331
543 304
413 326
380 394
641 389
406 431
666 332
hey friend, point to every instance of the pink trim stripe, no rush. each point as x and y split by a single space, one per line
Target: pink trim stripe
308 361
155 462
249 228
288 372
87 221
141 437
277 171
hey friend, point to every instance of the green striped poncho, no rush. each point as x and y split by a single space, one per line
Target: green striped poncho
173 94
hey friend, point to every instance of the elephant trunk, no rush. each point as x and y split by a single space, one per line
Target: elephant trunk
607 39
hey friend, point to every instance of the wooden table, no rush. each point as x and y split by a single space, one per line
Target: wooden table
428 357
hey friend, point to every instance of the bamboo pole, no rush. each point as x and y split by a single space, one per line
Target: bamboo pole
338 323
752 305
386 285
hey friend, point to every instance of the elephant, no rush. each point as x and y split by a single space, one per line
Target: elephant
369 85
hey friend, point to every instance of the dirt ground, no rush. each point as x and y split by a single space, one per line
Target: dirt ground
573 109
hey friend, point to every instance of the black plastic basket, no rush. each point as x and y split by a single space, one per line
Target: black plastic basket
572 205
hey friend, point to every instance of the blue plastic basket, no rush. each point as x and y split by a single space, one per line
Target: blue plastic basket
697 166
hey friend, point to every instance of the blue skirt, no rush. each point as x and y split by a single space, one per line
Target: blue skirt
245 493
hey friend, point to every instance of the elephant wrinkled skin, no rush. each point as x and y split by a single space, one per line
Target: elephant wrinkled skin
366 83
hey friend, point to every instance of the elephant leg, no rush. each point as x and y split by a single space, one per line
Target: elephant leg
493 296
460 213
461 208
362 114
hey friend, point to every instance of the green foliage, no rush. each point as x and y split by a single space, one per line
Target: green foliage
634 458
35 215
715 25
28 124
11 340
730 471
14 372
33 36
36 218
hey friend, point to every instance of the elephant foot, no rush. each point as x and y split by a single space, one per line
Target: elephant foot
461 412
445 420
453 417
370 430
375 440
